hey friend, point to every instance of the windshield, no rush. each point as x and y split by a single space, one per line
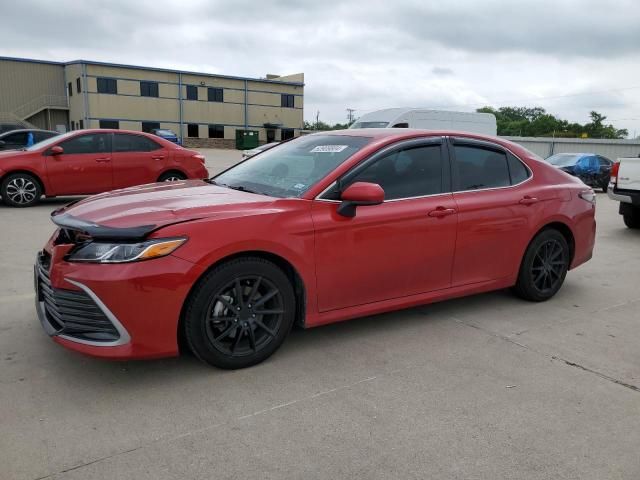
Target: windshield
564 159
293 167
49 141
369 125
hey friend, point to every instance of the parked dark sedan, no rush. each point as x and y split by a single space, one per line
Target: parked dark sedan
17 139
166 134
592 169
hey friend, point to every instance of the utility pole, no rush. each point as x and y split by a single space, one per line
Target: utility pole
317 119
350 115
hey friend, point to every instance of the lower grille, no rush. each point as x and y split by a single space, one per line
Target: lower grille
72 313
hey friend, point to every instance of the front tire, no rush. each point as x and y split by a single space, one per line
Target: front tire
544 267
240 313
20 190
171 177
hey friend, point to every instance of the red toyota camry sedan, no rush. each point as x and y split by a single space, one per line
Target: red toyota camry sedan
93 161
320 229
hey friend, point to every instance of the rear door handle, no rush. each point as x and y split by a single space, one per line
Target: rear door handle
107 159
440 212
527 200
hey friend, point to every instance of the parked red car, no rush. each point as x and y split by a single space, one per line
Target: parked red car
320 229
93 161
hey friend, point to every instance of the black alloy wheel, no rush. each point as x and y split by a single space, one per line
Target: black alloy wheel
544 266
240 313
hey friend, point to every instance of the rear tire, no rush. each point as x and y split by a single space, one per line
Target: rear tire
544 267
20 190
240 313
171 177
632 218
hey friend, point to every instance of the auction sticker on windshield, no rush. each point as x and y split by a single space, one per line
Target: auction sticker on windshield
328 148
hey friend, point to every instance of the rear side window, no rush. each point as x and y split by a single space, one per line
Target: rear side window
519 173
413 172
478 168
91 143
16 139
123 142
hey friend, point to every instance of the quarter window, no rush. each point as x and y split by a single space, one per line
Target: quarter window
91 143
192 92
216 131
192 130
287 100
478 168
215 94
413 172
114 124
124 142
107 85
148 89
519 173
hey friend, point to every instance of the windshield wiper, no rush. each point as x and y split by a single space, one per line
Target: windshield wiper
241 188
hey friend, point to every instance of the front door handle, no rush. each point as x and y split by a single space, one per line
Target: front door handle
158 157
527 200
101 160
440 212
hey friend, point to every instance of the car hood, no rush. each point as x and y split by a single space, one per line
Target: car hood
135 212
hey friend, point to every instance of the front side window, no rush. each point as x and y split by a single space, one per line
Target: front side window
124 142
215 94
19 139
192 92
478 168
293 167
107 85
413 172
90 143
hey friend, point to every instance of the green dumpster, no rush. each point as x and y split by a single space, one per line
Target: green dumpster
246 139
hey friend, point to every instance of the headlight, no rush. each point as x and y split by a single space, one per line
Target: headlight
104 252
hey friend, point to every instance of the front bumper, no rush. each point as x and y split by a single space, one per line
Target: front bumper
117 311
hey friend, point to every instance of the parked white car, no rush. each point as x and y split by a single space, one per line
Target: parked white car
625 188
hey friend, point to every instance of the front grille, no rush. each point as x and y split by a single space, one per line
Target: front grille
70 312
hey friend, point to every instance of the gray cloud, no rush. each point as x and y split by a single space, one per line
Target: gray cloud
361 55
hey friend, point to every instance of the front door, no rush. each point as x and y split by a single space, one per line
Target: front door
402 247
84 166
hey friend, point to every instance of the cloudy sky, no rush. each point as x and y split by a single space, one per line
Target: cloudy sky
567 56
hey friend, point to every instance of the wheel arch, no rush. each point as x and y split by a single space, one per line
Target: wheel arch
171 170
28 172
566 232
299 288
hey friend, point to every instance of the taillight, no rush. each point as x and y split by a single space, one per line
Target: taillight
614 173
588 195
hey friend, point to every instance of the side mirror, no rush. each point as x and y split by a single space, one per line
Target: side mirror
57 150
360 194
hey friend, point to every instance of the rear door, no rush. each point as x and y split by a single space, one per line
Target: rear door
497 207
84 166
137 160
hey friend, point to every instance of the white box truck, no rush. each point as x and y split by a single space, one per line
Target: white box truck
422 118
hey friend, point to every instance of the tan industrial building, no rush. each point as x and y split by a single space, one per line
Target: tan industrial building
204 109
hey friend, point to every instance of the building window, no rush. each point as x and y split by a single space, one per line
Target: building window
286 134
81 124
148 126
78 89
216 131
73 125
192 130
192 92
148 89
107 85
215 94
115 124
287 100
70 90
